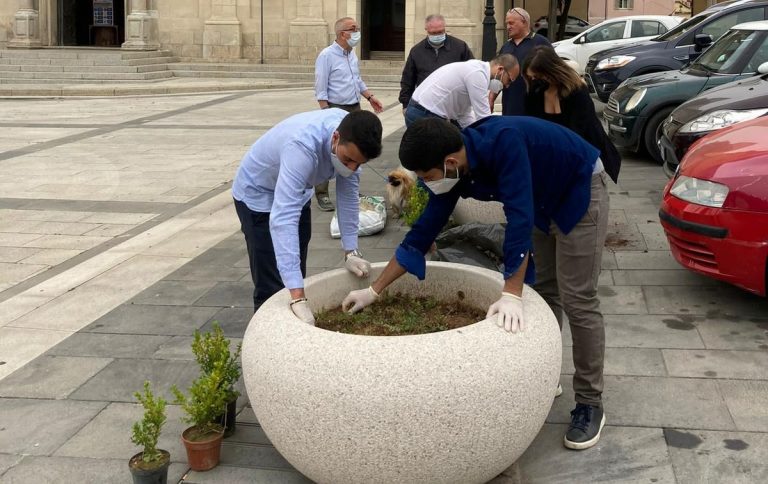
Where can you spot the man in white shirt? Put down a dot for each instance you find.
(458, 92)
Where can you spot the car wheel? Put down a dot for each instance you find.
(650, 135)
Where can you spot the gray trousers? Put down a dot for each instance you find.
(567, 269)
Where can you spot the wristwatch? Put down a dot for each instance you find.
(355, 253)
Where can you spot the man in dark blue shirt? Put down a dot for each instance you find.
(521, 42)
(553, 189)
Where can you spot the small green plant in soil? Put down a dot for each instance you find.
(207, 398)
(417, 202)
(402, 314)
(213, 347)
(146, 432)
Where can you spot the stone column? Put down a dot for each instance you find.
(141, 28)
(221, 35)
(308, 32)
(26, 26)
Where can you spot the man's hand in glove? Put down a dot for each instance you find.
(301, 309)
(509, 312)
(358, 300)
(357, 265)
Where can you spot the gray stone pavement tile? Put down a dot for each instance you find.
(51, 257)
(233, 321)
(248, 433)
(653, 259)
(622, 300)
(108, 435)
(11, 274)
(245, 475)
(7, 461)
(15, 254)
(53, 377)
(608, 261)
(246, 415)
(131, 374)
(17, 240)
(623, 454)
(721, 300)
(208, 272)
(659, 277)
(620, 238)
(748, 402)
(78, 470)
(324, 258)
(623, 361)
(729, 364)
(228, 294)
(39, 427)
(175, 348)
(726, 334)
(82, 242)
(109, 345)
(650, 331)
(635, 401)
(157, 320)
(252, 455)
(728, 457)
(173, 293)
(656, 241)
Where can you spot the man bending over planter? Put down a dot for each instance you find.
(274, 185)
(553, 188)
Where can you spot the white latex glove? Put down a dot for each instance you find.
(358, 266)
(509, 311)
(358, 300)
(301, 309)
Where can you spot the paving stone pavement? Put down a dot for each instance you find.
(118, 240)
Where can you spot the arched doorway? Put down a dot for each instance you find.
(98, 23)
(383, 25)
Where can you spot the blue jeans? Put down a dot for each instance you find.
(415, 111)
(261, 254)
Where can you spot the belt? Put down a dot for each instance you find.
(424, 110)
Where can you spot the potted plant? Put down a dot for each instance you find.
(150, 466)
(207, 397)
(209, 349)
(452, 406)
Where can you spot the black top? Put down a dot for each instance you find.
(578, 115)
(513, 99)
(424, 59)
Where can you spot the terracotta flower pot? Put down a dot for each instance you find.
(154, 473)
(202, 453)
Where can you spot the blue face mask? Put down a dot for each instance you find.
(436, 39)
(354, 39)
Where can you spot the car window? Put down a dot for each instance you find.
(612, 31)
(760, 56)
(645, 28)
(684, 27)
(726, 51)
(718, 27)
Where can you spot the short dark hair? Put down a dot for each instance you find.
(362, 128)
(427, 142)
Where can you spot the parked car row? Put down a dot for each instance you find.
(695, 98)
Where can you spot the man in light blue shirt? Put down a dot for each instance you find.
(338, 83)
(273, 187)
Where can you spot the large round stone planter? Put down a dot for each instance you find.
(458, 406)
(469, 210)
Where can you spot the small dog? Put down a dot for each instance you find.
(400, 182)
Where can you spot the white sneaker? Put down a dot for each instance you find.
(559, 390)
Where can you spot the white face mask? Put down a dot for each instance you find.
(436, 39)
(443, 185)
(354, 39)
(495, 85)
(340, 167)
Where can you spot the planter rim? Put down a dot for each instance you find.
(213, 436)
(165, 461)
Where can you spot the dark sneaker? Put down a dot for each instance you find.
(325, 203)
(586, 423)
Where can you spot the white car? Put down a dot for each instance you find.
(613, 33)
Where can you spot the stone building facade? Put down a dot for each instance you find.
(268, 31)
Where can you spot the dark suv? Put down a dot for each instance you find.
(671, 50)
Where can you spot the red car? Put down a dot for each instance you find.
(715, 209)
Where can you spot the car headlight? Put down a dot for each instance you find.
(614, 62)
(635, 100)
(720, 119)
(701, 192)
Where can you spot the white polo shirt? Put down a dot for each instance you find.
(457, 91)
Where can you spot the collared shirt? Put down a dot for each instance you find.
(424, 59)
(277, 175)
(457, 91)
(539, 171)
(337, 76)
(513, 96)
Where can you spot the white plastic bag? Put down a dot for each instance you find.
(373, 217)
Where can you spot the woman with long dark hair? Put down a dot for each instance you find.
(558, 94)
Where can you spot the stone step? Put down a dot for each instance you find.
(105, 69)
(281, 68)
(307, 76)
(66, 53)
(65, 82)
(65, 77)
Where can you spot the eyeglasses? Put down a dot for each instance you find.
(353, 29)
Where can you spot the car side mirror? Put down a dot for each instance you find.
(701, 41)
(762, 68)
(581, 40)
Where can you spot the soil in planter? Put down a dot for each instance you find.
(402, 314)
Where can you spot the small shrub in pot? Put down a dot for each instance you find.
(150, 466)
